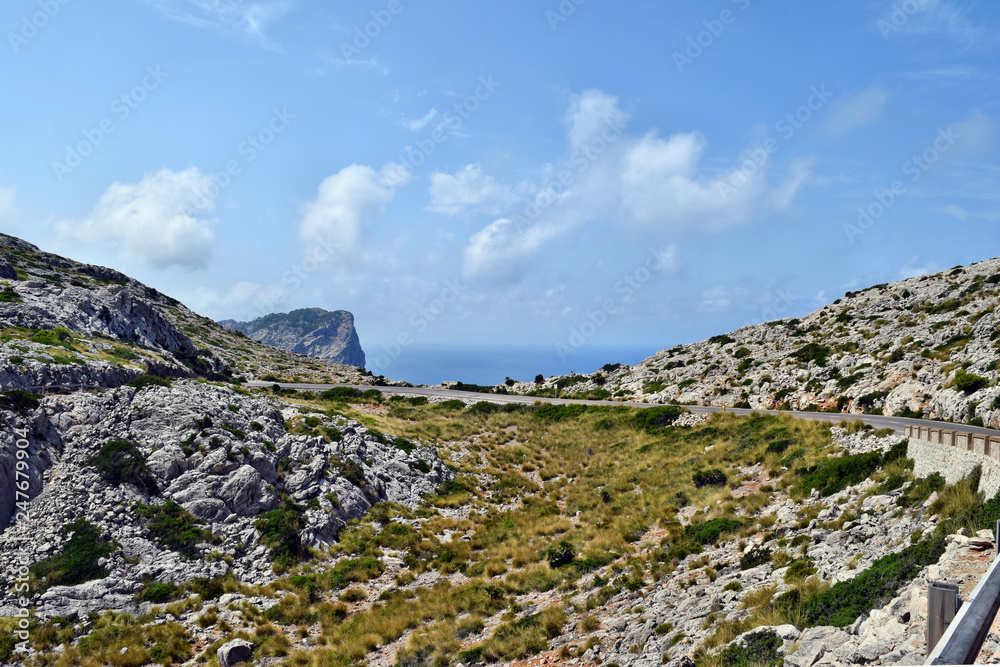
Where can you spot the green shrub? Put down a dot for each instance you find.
(451, 405)
(722, 340)
(713, 477)
(654, 420)
(403, 444)
(19, 401)
(710, 531)
(835, 475)
(356, 570)
(173, 527)
(279, 530)
(78, 562)
(733, 585)
(969, 383)
(560, 554)
(120, 462)
(812, 352)
(8, 295)
(799, 570)
(755, 557)
(351, 471)
(157, 592)
(144, 381)
(59, 337)
(759, 649)
(846, 600)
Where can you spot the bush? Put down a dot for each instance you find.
(835, 475)
(279, 530)
(969, 383)
(350, 470)
(560, 554)
(654, 420)
(120, 462)
(754, 558)
(173, 527)
(799, 570)
(352, 571)
(713, 477)
(757, 649)
(845, 601)
(144, 381)
(710, 531)
(157, 592)
(812, 352)
(77, 563)
(19, 401)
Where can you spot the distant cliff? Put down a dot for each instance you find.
(314, 332)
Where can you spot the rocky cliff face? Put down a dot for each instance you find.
(68, 323)
(314, 332)
(927, 345)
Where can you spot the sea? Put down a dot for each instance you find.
(490, 365)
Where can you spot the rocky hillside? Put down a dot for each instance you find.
(313, 332)
(66, 323)
(925, 346)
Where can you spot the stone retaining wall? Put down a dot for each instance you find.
(954, 454)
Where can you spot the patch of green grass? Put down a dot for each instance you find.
(173, 527)
(144, 381)
(846, 600)
(279, 530)
(77, 563)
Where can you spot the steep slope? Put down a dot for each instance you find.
(314, 332)
(112, 328)
(925, 346)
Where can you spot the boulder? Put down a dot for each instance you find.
(234, 653)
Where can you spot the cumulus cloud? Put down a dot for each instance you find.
(589, 114)
(659, 185)
(857, 110)
(246, 20)
(469, 189)
(348, 203)
(157, 221)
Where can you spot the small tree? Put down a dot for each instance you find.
(539, 379)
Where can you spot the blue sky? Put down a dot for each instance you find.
(574, 174)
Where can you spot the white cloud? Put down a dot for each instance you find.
(858, 109)
(247, 20)
(715, 300)
(420, 123)
(661, 184)
(468, 189)
(914, 268)
(154, 222)
(348, 203)
(658, 185)
(799, 173)
(955, 212)
(589, 114)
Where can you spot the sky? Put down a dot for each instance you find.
(563, 174)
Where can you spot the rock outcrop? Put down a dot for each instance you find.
(927, 345)
(314, 332)
(225, 457)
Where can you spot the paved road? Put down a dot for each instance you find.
(878, 421)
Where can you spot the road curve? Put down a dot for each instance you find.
(877, 421)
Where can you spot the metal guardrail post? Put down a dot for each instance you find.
(942, 600)
(962, 640)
